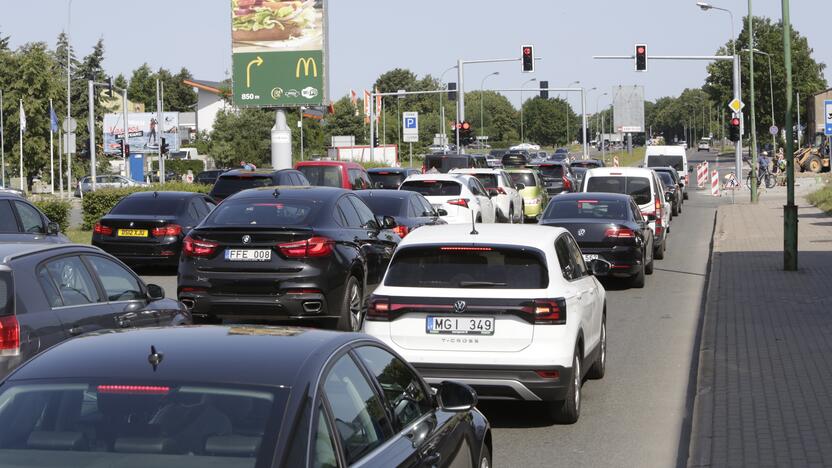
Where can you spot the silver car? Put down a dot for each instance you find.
(105, 181)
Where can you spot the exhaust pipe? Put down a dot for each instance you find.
(312, 307)
(188, 303)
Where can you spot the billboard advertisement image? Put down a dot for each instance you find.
(279, 53)
(145, 133)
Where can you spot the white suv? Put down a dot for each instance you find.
(512, 311)
(507, 199)
(458, 195)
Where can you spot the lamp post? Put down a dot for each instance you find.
(300, 125)
(522, 132)
(790, 210)
(482, 114)
(601, 137)
(771, 92)
(68, 103)
(567, 111)
(442, 109)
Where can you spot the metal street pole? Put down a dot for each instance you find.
(91, 129)
(300, 125)
(790, 210)
(442, 108)
(522, 123)
(583, 124)
(482, 107)
(754, 195)
(2, 144)
(125, 140)
(600, 120)
(68, 92)
(22, 189)
(460, 102)
(51, 152)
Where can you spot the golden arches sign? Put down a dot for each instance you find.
(306, 62)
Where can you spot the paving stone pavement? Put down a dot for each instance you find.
(764, 385)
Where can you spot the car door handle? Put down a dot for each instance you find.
(75, 331)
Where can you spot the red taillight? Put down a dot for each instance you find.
(463, 202)
(548, 374)
(658, 205)
(549, 311)
(312, 247)
(9, 336)
(134, 389)
(167, 231)
(401, 230)
(475, 249)
(566, 184)
(620, 233)
(303, 291)
(198, 248)
(102, 229)
(378, 309)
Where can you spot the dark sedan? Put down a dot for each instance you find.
(21, 221)
(390, 177)
(310, 254)
(609, 227)
(587, 163)
(236, 180)
(410, 209)
(209, 177)
(672, 192)
(670, 177)
(240, 396)
(148, 227)
(557, 177)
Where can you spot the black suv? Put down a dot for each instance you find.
(445, 162)
(21, 221)
(233, 181)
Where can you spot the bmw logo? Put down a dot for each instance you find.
(581, 232)
(246, 239)
(460, 306)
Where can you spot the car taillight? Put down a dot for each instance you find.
(620, 233)
(378, 309)
(566, 184)
(401, 230)
(167, 231)
(549, 311)
(198, 248)
(102, 229)
(658, 205)
(134, 389)
(9, 336)
(312, 247)
(463, 202)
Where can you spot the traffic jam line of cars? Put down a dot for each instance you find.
(439, 301)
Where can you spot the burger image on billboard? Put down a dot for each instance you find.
(270, 20)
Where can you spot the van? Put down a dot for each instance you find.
(339, 174)
(672, 156)
(445, 162)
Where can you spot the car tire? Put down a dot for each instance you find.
(352, 306)
(659, 252)
(599, 367)
(680, 205)
(648, 267)
(485, 457)
(674, 211)
(569, 410)
(638, 280)
(685, 196)
(511, 215)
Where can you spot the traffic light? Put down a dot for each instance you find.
(163, 148)
(466, 133)
(641, 57)
(544, 93)
(375, 139)
(528, 58)
(127, 151)
(452, 91)
(734, 129)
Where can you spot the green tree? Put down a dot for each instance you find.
(345, 121)
(545, 120)
(242, 135)
(142, 87)
(500, 118)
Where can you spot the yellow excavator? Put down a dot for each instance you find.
(813, 158)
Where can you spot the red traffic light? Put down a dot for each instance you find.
(466, 125)
(527, 50)
(640, 50)
(735, 122)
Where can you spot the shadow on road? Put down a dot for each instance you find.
(515, 414)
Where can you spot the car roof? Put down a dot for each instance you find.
(397, 170)
(592, 195)
(348, 164)
(667, 150)
(247, 354)
(475, 170)
(519, 169)
(451, 177)
(385, 193)
(619, 171)
(256, 172)
(12, 250)
(165, 195)
(291, 191)
(527, 235)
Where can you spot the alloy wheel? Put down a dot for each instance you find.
(355, 308)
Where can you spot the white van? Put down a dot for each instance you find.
(670, 156)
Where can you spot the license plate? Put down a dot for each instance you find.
(248, 255)
(132, 233)
(590, 257)
(459, 325)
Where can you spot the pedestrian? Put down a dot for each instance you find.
(152, 135)
(246, 166)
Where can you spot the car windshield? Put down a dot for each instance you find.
(386, 206)
(388, 180)
(636, 187)
(525, 178)
(228, 185)
(468, 267)
(662, 160)
(265, 212)
(322, 176)
(488, 180)
(666, 178)
(146, 206)
(433, 188)
(586, 208)
(552, 171)
(585, 164)
(90, 423)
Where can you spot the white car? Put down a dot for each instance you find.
(462, 197)
(512, 311)
(670, 156)
(508, 200)
(704, 145)
(645, 187)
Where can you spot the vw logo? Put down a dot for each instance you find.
(460, 306)
(581, 232)
(246, 239)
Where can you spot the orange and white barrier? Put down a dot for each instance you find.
(701, 174)
(715, 183)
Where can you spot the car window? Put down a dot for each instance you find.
(324, 443)
(360, 421)
(8, 223)
(433, 188)
(525, 178)
(349, 215)
(356, 179)
(416, 209)
(365, 215)
(30, 218)
(636, 212)
(193, 211)
(155, 206)
(586, 208)
(426, 206)
(577, 259)
(326, 176)
(564, 258)
(119, 284)
(50, 291)
(249, 211)
(405, 395)
(637, 187)
(75, 285)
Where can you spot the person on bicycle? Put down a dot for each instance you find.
(762, 162)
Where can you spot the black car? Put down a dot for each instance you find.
(170, 176)
(21, 221)
(236, 396)
(677, 181)
(515, 159)
(310, 254)
(672, 192)
(390, 177)
(579, 172)
(49, 293)
(148, 227)
(557, 177)
(233, 181)
(445, 162)
(587, 163)
(607, 226)
(209, 177)
(410, 209)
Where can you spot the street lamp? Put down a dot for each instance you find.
(522, 134)
(300, 125)
(68, 104)
(771, 93)
(599, 117)
(482, 114)
(442, 109)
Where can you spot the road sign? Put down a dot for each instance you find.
(773, 130)
(69, 126)
(410, 125)
(736, 105)
(279, 56)
(827, 106)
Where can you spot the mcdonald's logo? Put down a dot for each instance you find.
(306, 63)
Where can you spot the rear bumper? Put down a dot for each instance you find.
(625, 260)
(268, 308)
(503, 383)
(141, 252)
(533, 211)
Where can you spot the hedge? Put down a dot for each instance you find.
(57, 211)
(99, 203)
(180, 167)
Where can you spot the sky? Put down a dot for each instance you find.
(369, 37)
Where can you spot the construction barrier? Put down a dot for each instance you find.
(715, 183)
(701, 174)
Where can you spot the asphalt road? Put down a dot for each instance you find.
(639, 414)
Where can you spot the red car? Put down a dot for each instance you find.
(340, 174)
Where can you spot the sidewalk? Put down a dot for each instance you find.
(764, 385)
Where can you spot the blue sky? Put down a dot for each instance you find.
(368, 37)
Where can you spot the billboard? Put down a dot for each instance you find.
(144, 132)
(628, 109)
(279, 53)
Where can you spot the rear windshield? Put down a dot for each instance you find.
(433, 188)
(636, 187)
(228, 185)
(137, 424)
(666, 178)
(388, 180)
(586, 164)
(661, 160)
(515, 160)
(6, 293)
(464, 267)
(525, 178)
(322, 176)
(553, 171)
(386, 206)
(488, 180)
(148, 206)
(586, 208)
(444, 164)
(262, 213)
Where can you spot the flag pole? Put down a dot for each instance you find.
(51, 151)
(60, 163)
(22, 126)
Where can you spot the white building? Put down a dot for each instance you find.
(209, 102)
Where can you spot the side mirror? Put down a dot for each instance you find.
(388, 222)
(520, 186)
(668, 197)
(600, 267)
(373, 225)
(442, 212)
(52, 228)
(456, 397)
(492, 193)
(155, 292)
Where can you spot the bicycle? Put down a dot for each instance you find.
(763, 175)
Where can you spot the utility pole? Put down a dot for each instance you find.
(91, 129)
(754, 196)
(161, 134)
(790, 210)
(2, 145)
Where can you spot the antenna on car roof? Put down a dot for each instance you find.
(154, 358)
(276, 193)
(155, 194)
(473, 225)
